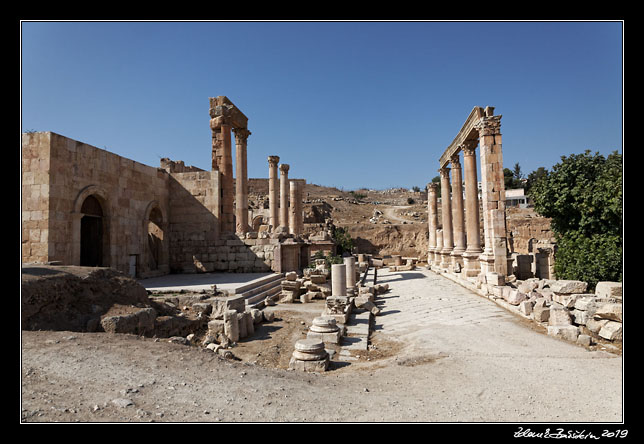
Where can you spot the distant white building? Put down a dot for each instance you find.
(516, 198)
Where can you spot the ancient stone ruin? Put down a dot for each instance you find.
(484, 263)
(82, 205)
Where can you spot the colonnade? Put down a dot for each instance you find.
(455, 244)
(233, 207)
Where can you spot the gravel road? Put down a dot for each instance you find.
(441, 354)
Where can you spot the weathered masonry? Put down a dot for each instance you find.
(82, 205)
(455, 245)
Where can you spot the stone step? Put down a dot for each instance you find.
(259, 298)
(259, 285)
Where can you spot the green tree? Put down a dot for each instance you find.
(535, 176)
(343, 240)
(583, 197)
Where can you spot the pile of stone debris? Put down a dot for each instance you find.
(567, 310)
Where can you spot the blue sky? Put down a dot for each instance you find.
(346, 104)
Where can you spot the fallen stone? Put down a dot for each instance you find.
(540, 310)
(611, 331)
(269, 316)
(291, 276)
(559, 315)
(568, 286)
(595, 325)
(610, 311)
(515, 297)
(257, 316)
(607, 289)
(525, 307)
(584, 340)
(122, 402)
(221, 304)
(566, 332)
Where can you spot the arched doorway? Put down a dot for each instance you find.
(91, 239)
(155, 239)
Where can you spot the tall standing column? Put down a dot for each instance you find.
(292, 217)
(284, 190)
(432, 217)
(472, 216)
(446, 210)
(222, 161)
(241, 180)
(495, 256)
(458, 217)
(272, 192)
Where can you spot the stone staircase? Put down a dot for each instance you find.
(257, 291)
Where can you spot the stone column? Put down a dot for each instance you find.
(299, 218)
(293, 209)
(446, 211)
(494, 262)
(458, 217)
(241, 180)
(284, 190)
(472, 216)
(223, 162)
(272, 192)
(439, 247)
(350, 267)
(432, 210)
(338, 280)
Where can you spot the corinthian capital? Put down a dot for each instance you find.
(241, 135)
(468, 147)
(488, 126)
(273, 160)
(444, 172)
(284, 168)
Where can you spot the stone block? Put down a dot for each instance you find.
(611, 331)
(231, 325)
(579, 317)
(559, 315)
(291, 276)
(221, 304)
(595, 325)
(256, 315)
(605, 289)
(216, 327)
(330, 337)
(540, 311)
(309, 366)
(288, 296)
(525, 307)
(567, 300)
(305, 298)
(568, 286)
(494, 279)
(583, 301)
(566, 332)
(584, 340)
(515, 297)
(608, 310)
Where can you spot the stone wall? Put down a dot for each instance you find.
(127, 191)
(194, 226)
(35, 193)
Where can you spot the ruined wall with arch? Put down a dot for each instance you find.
(54, 191)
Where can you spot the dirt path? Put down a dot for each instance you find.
(390, 213)
(441, 354)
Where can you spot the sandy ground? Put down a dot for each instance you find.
(440, 353)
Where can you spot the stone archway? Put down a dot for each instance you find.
(91, 233)
(91, 228)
